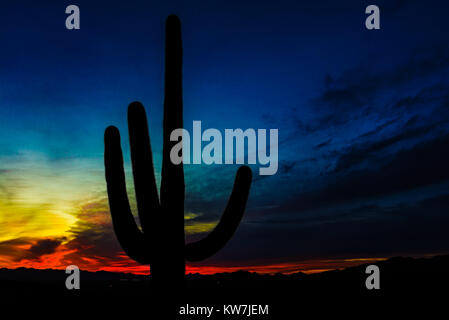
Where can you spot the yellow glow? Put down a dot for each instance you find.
(41, 199)
(192, 227)
(364, 259)
(190, 216)
(199, 227)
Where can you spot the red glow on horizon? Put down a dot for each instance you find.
(129, 266)
(119, 262)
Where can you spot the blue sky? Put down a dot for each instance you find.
(362, 118)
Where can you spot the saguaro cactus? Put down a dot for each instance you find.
(160, 242)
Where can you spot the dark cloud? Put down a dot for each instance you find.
(436, 95)
(428, 114)
(367, 230)
(421, 165)
(323, 144)
(93, 240)
(11, 248)
(322, 122)
(379, 128)
(41, 247)
(359, 153)
(356, 87)
(14, 248)
(356, 92)
(285, 167)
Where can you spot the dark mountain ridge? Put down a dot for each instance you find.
(394, 272)
(402, 282)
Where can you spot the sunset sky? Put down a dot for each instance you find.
(363, 120)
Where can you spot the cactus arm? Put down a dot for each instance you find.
(229, 222)
(128, 234)
(143, 170)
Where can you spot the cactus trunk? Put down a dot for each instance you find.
(160, 241)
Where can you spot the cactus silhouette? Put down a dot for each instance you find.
(160, 242)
